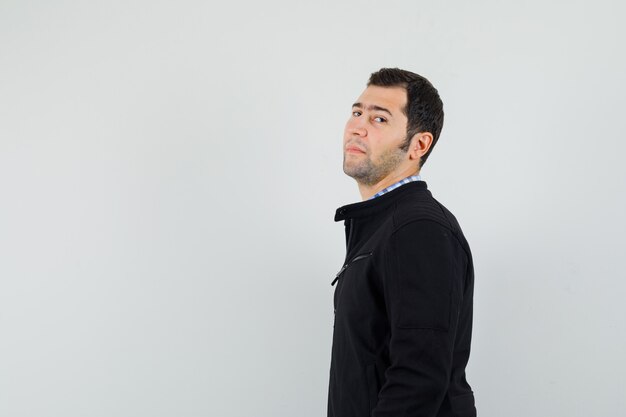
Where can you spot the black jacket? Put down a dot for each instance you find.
(403, 310)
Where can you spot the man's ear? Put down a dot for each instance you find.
(420, 144)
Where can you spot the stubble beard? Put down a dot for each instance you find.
(368, 173)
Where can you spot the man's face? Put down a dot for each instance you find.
(373, 135)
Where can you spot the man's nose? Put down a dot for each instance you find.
(356, 126)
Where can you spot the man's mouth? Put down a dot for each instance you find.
(353, 150)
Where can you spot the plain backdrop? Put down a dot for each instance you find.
(169, 173)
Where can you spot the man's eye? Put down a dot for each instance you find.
(380, 119)
(356, 113)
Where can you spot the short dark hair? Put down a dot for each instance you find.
(424, 108)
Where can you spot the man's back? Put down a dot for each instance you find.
(403, 310)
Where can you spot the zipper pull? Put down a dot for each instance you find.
(343, 268)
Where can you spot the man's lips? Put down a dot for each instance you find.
(352, 149)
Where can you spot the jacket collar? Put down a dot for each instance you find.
(378, 204)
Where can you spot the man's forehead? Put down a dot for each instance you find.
(392, 98)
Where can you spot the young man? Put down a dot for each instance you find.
(403, 298)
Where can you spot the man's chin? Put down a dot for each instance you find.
(351, 174)
(358, 177)
(350, 171)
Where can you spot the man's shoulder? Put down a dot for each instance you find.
(423, 206)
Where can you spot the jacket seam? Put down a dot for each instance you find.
(448, 227)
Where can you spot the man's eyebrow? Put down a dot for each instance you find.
(372, 107)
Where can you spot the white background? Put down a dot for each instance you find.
(169, 173)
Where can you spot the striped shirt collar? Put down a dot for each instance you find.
(396, 185)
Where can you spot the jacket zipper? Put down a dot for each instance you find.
(343, 268)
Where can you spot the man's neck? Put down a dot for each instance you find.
(367, 191)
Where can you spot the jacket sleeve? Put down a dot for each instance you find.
(423, 276)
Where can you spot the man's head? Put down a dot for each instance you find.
(395, 123)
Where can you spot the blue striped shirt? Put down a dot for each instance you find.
(396, 185)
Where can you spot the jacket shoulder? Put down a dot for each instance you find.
(423, 206)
